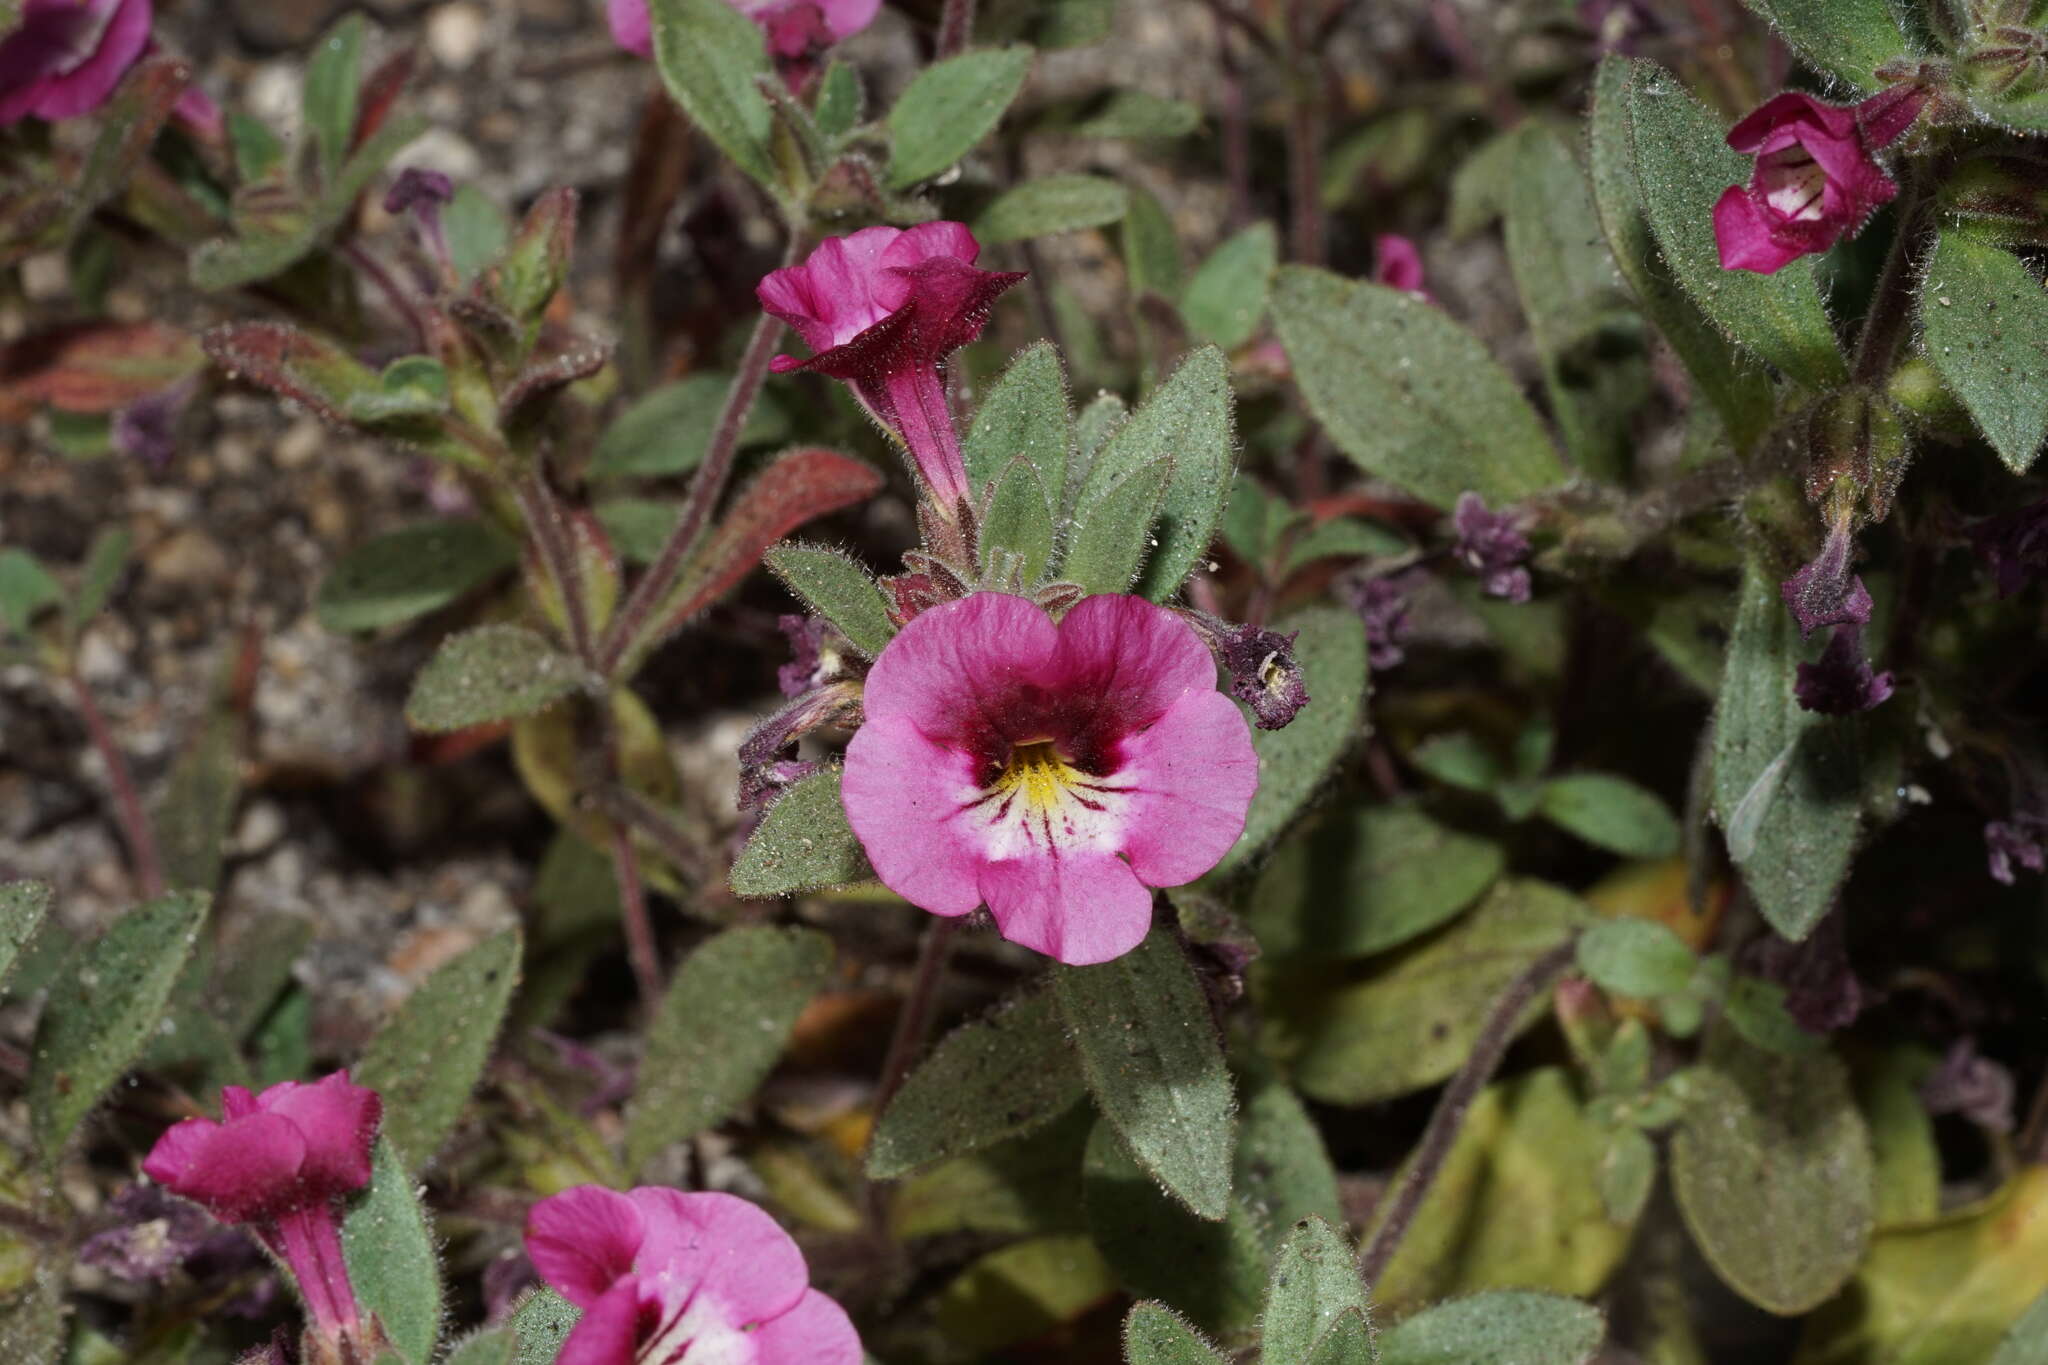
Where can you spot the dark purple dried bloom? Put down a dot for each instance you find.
(506, 1280)
(767, 767)
(1492, 545)
(420, 191)
(1822, 993)
(1974, 1086)
(1841, 682)
(2014, 546)
(2015, 841)
(147, 429)
(1264, 674)
(807, 666)
(1824, 592)
(154, 1237)
(1382, 603)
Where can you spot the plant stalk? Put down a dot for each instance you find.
(914, 1021)
(956, 28)
(640, 950)
(1891, 304)
(557, 549)
(128, 812)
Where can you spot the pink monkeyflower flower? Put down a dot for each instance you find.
(1397, 264)
(1055, 772)
(883, 308)
(798, 31)
(668, 1278)
(281, 1161)
(1817, 179)
(68, 55)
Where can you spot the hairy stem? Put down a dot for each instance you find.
(1891, 304)
(956, 27)
(1453, 1106)
(640, 950)
(128, 811)
(915, 1018)
(555, 544)
(629, 807)
(387, 285)
(1305, 142)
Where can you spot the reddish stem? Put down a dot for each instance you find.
(309, 1239)
(128, 811)
(640, 949)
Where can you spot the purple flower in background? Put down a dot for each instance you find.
(68, 55)
(147, 429)
(813, 658)
(1841, 682)
(1822, 993)
(1492, 545)
(798, 31)
(1972, 1085)
(1382, 603)
(1824, 592)
(2014, 546)
(1398, 265)
(2015, 841)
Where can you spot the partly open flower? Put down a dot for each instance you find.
(883, 308)
(1054, 772)
(1841, 682)
(68, 55)
(1816, 178)
(798, 31)
(282, 1161)
(668, 1278)
(1823, 592)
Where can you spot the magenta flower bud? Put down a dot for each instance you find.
(1054, 772)
(68, 55)
(798, 31)
(663, 1276)
(281, 1161)
(1397, 264)
(883, 308)
(1816, 178)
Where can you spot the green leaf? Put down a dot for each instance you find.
(1154, 1336)
(1985, 322)
(1107, 540)
(389, 1247)
(1025, 413)
(197, 809)
(1225, 300)
(721, 1028)
(840, 100)
(1628, 1168)
(1739, 389)
(1021, 1292)
(1408, 394)
(988, 1081)
(1787, 781)
(1188, 418)
(1682, 164)
(102, 1009)
(1460, 759)
(23, 907)
(1772, 1168)
(1367, 879)
(1755, 1008)
(1018, 1188)
(1293, 761)
(542, 1322)
(1138, 114)
(333, 77)
(476, 230)
(948, 108)
(1505, 1327)
(488, 674)
(1152, 261)
(1612, 813)
(428, 1057)
(2027, 1342)
(410, 572)
(1315, 1281)
(1636, 957)
(32, 1323)
(1902, 1143)
(1846, 38)
(839, 590)
(1052, 204)
(25, 590)
(1361, 1032)
(496, 1346)
(803, 843)
(1052, 23)
(668, 431)
(103, 565)
(710, 56)
(258, 151)
(1153, 1063)
(637, 527)
(410, 387)
(1017, 526)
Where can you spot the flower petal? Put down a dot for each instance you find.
(1193, 776)
(1131, 652)
(840, 290)
(731, 1249)
(950, 664)
(87, 86)
(339, 1121)
(1742, 231)
(903, 797)
(1078, 907)
(608, 1333)
(238, 1171)
(631, 27)
(815, 1332)
(583, 1241)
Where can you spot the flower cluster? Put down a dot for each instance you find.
(798, 31)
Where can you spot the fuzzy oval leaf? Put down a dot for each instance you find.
(837, 589)
(1365, 880)
(722, 1025)
(1293, 761)
(1314, 1282)
(543, 1321)
(1787, 781)
(1846, 38)
(389, 1247)
(1021, 1292)
(490, 673)
(26, 588)
(1772, 1169)
(1407, 393)
(948, 108)
(1139, 114)
(1348, 1342)
(1017, 529)
(1052, 204)
(1107, 540)
(428, 1056)
(23, 906)
(1154, 1336)
(102, 1009)
(1505, 1327)
(1155, 1067)
(710, 57)
(1025, 413)
(1612, 813)
(1985, 321)
(803, 843)
(1682, 164)
(1636, 957)
(989, 1080)
(495, 1346)
(410, 572)
(1225, 299)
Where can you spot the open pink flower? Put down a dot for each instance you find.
(883, 308)
(1056, 773)
(68, 55)
(282, 1160)
(1816, 178)
(668, 1278)
(798, 30)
